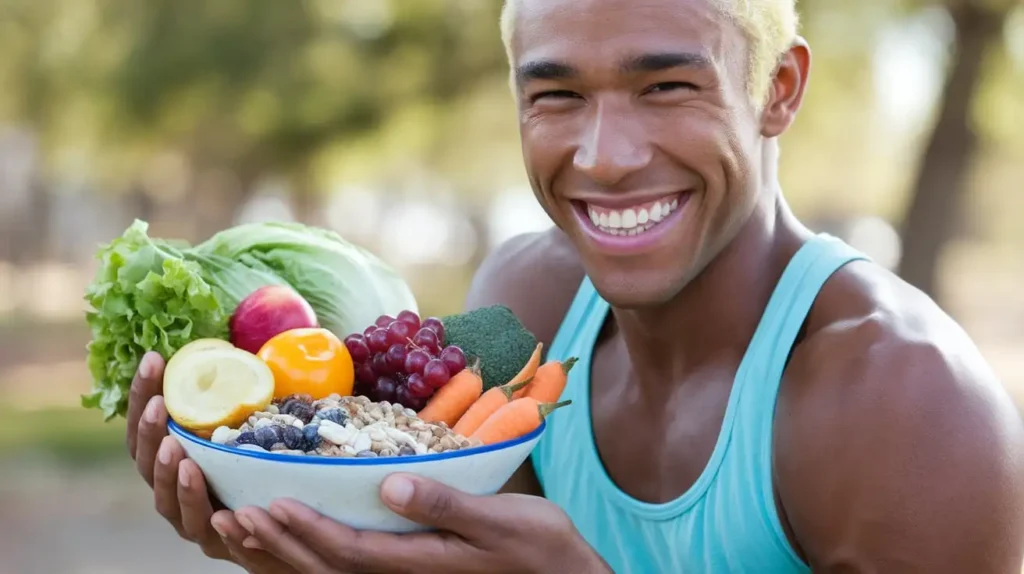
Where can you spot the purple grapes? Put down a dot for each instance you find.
(436, 374)
(435, 325)
(403, 359)
(454, 359)
(357, 348)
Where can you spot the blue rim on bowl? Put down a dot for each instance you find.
(352, 461)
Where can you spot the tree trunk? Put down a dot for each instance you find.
(932, 219)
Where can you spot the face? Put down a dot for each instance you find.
(638, 135)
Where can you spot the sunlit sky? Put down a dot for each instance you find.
(909, 61)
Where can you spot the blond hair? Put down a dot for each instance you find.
(770, 26)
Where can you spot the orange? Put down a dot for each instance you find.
(311, 361)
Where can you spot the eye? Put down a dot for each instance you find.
(664, 87)
(553, 95)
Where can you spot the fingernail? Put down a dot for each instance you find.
(398, 491)
(218, 527)
(164, 455)
(146, 367)
(278, 513)
(152, 411)
(183, 476)
(252, 543)
(246, 523)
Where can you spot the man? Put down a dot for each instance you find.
(750, 397)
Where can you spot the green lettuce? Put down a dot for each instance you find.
(321, 266)
(158, 295)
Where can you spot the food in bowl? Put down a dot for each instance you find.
(341, 427)
(347, 489)
(297, 396)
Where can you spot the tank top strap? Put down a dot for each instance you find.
(583, 320)
(761, 371)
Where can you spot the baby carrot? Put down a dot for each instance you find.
(485, 406)
(452, 400)
(528, 370)
(516, 419)
(550, 380)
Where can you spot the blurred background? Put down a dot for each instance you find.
(391, 122)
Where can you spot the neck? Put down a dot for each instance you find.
(714, 317)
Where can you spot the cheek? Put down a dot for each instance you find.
(707, 144)
(542, 149)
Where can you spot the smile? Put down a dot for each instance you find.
(632, 220)
(617, 227)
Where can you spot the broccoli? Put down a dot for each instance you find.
(494, 336)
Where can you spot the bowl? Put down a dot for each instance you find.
(347, 489)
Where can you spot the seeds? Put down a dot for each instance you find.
(341, 427)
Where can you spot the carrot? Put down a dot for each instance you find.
(485, 406)
(528, 370)
(452, 400)
(514, 420)
(550, 380)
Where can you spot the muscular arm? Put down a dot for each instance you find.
(536, 276)
(900, 456)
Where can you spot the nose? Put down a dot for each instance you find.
(612, 146)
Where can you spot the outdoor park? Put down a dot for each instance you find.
(391, 122)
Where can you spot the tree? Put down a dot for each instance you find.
(942, 178)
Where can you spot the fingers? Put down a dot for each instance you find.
(152, 430)
(251, 558)
(233, 536)
(228, 528)
(165, 482)
(146, 384)
(431, 503)
(273, 538)
(196, 510)
(351, 550)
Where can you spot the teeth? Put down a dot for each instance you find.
(632, 221)
(656, 212)
(629, 219)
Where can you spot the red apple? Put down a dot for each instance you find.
(266, 313)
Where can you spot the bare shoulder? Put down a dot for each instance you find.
(536, 275)
(897, 447)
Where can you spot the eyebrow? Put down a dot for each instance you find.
(660, 61)
(653, 62)
(544, 70)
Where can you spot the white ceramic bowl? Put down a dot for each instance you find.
(347, 489)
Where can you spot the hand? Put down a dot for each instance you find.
(503, 533)
(179, 489)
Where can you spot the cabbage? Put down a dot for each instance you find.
(158, 295)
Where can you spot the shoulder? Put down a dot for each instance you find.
(536, 275)
(895, 436)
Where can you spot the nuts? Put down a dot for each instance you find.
(341, 427)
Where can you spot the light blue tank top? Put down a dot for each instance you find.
(726, 522)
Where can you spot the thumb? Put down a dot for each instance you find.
(431, 503)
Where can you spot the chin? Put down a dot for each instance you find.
(637, 290)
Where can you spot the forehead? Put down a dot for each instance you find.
(593, 31)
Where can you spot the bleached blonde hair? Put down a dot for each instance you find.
(770, 27)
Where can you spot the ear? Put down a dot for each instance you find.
(786, 93)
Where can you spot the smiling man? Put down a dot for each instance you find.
(751, 397)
